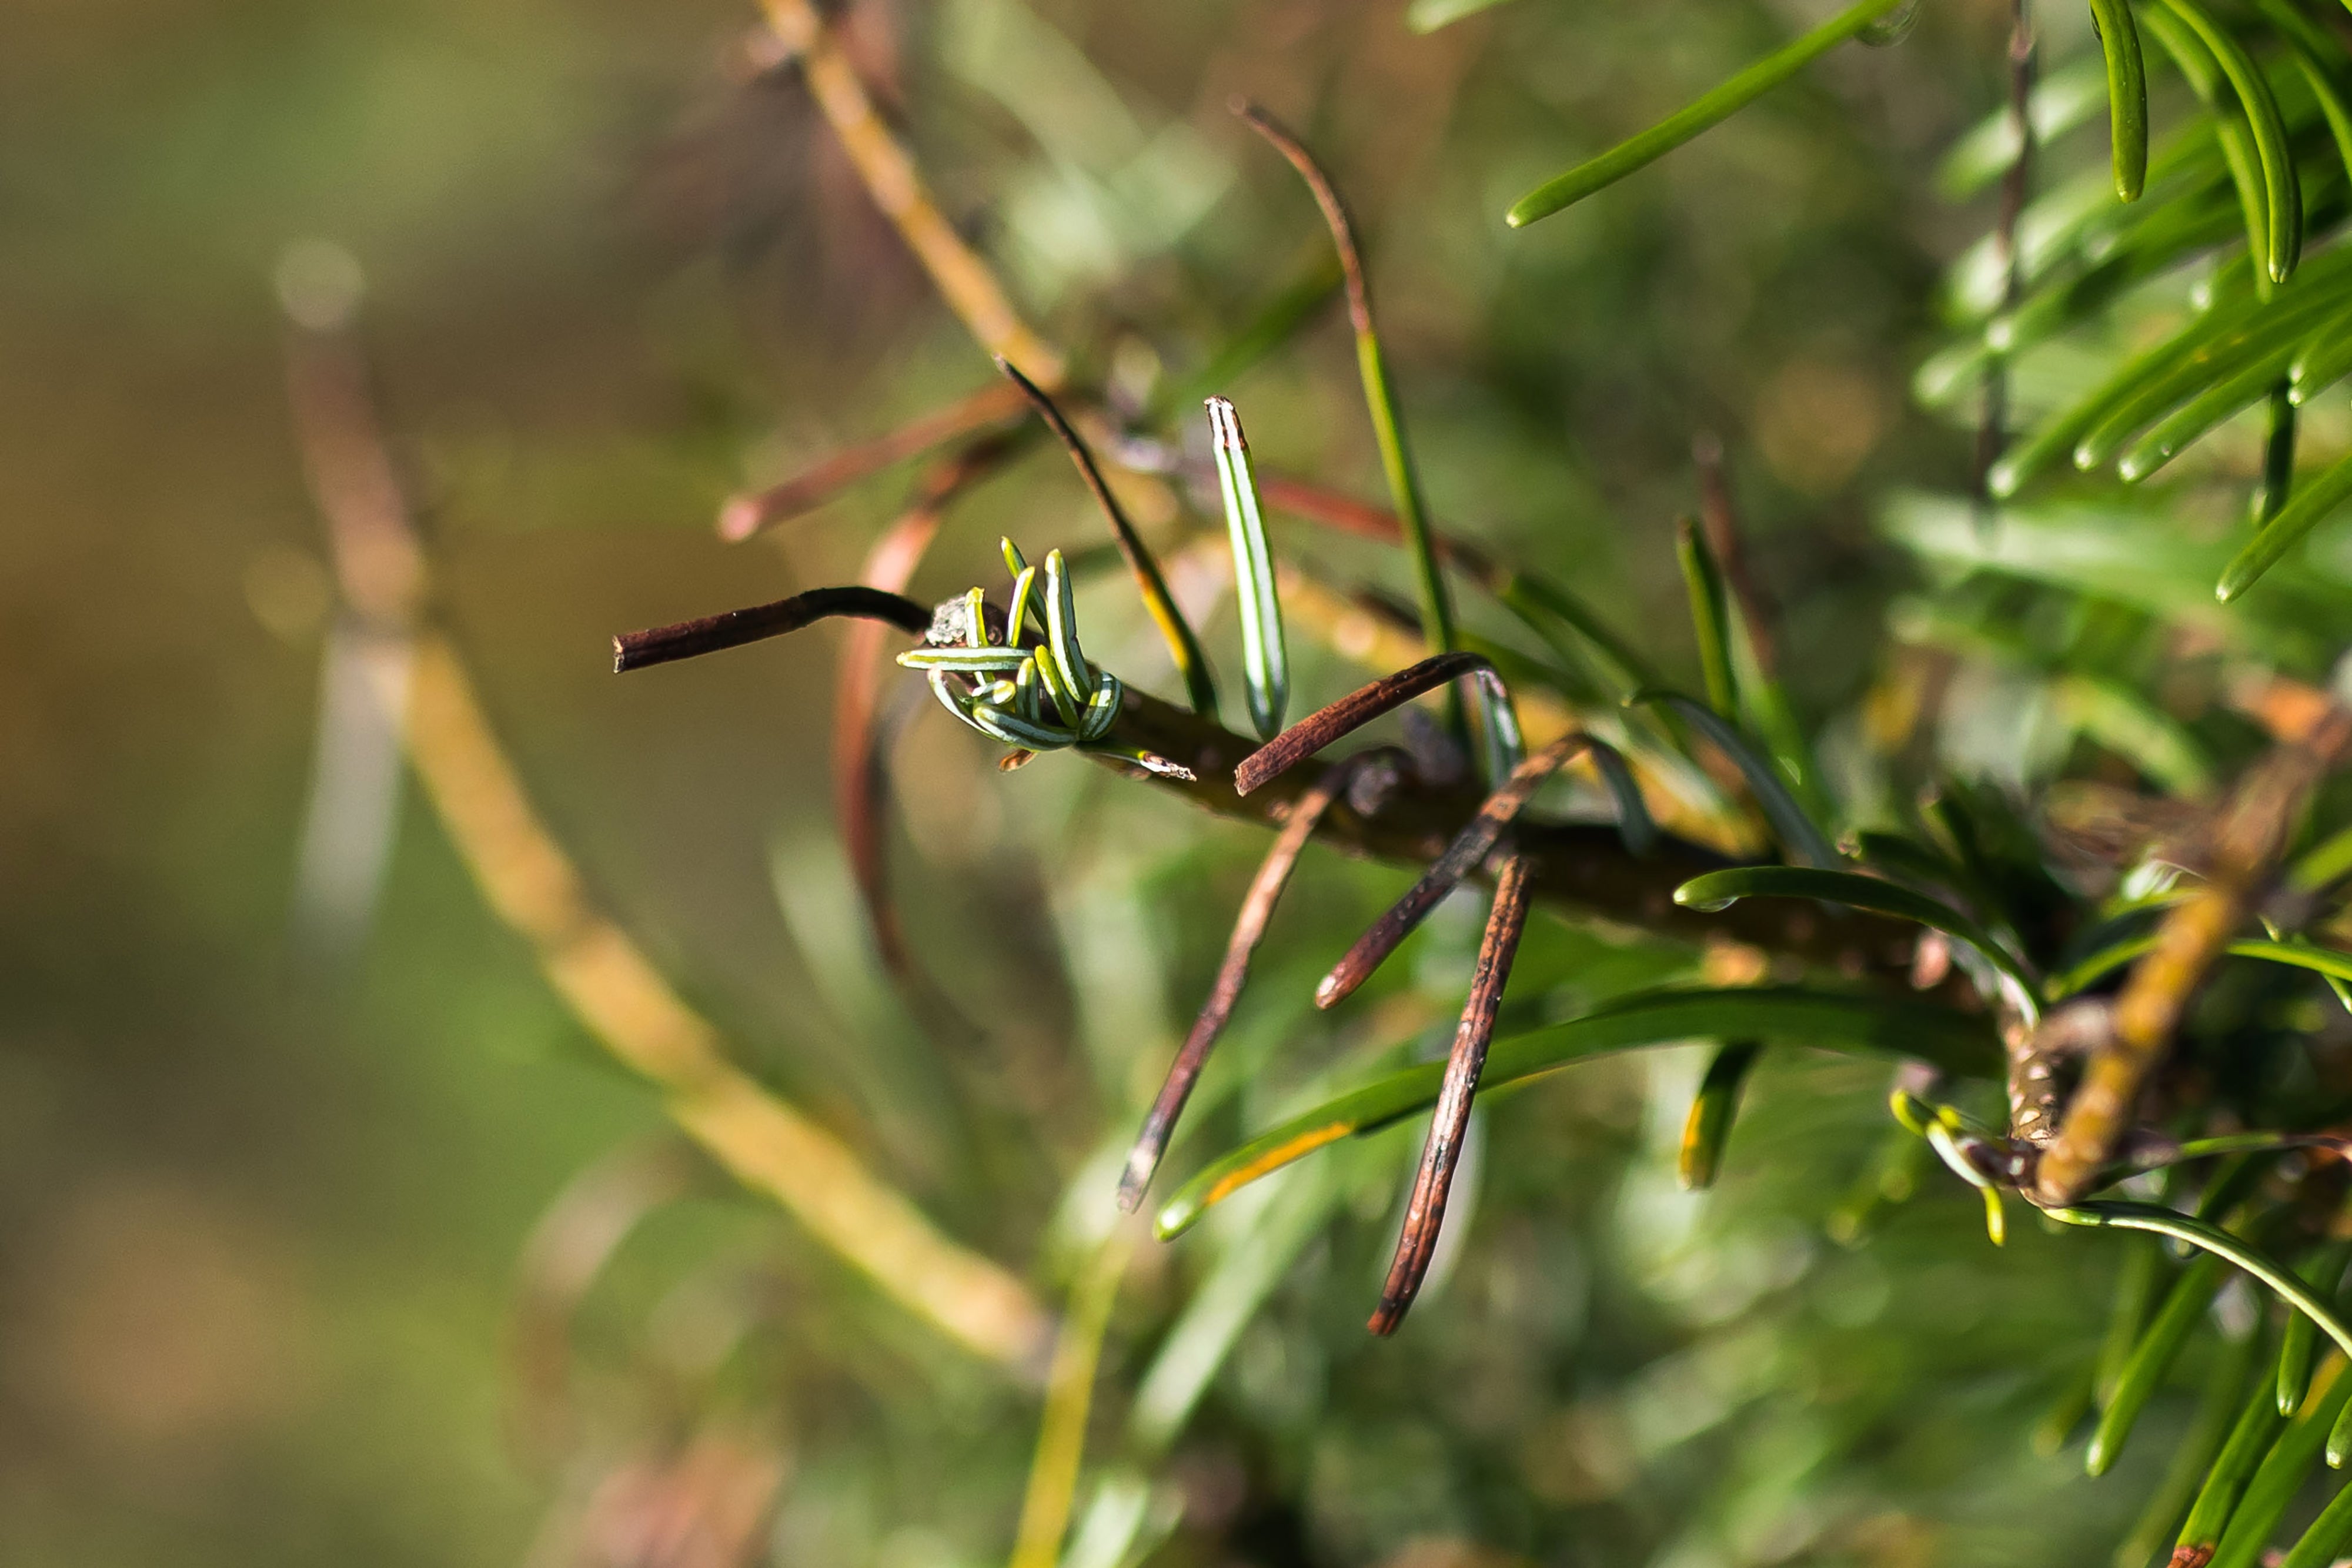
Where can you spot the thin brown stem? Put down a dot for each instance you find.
(747, 513)
(1182, 646)
(1424, 1212)
(1249, 928)
(734, 627)
(1350, 713)
(1469, 852)
(352, 816)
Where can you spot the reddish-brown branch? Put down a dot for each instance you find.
(747, 513)
(1249, 928)
(1425, 1213)
(1581, 868)
(1465, 854)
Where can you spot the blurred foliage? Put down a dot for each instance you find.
(271, 1290)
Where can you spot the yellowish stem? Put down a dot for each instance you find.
(889, 171)
(1069, 1396)
(622, 1000)
(609, 985)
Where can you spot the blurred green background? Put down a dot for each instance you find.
(263, 1197)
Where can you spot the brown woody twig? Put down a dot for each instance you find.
(1583, 867)
(2075, 1030)
(1578, 867)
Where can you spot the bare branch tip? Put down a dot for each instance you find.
(738, 518)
